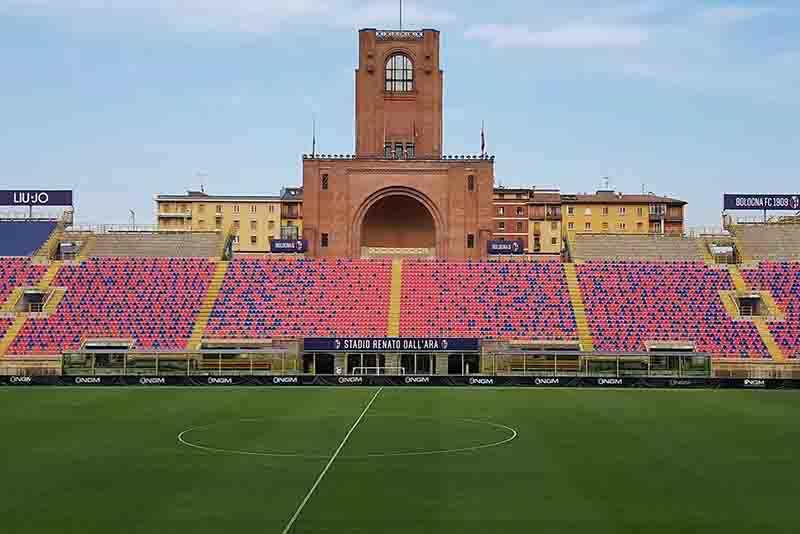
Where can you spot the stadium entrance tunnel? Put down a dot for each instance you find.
(398, 222)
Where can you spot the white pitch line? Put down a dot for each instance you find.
(329, 464)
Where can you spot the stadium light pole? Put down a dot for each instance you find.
(133, 219)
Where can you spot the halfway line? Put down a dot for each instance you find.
(329, 464)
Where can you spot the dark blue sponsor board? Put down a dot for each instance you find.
(38, 197)
(762, 202)
(390, 344)
(401, 381)
(298, 246)
(505, 247)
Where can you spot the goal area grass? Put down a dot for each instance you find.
(437, 460)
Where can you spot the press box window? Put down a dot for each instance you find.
(324, 240)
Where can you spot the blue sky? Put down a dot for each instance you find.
(123, 99)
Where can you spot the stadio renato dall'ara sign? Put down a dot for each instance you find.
(36, 197)
(762, 202)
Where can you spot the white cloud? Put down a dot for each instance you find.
(730, 14)
(566, 37)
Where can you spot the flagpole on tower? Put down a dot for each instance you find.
(313, 135)
(401, 15)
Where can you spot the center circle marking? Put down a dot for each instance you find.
(511, 435)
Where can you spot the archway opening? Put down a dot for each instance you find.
(398, 222)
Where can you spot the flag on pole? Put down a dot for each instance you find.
(483, 140)
(314, 136)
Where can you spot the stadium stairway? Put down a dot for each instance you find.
(204, 314)
(20, 319)
(393, 327)
(578, 307)
(761, 325)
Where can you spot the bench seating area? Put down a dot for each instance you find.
(150, 300)
(631, 303)
(486, 300)
(782, 279)
(266, 298)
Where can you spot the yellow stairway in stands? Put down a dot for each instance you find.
(19, 320)
(584, 334)
(761, 325)
(393, 327)
(204, 314)
(11, 333)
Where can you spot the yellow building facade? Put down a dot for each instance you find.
(609, 212)
(253, 220)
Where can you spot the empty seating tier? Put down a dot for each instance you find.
(586, 247)
(629, 304)
(24, 238)
(151, 301)
(157, 245)
(777, 242)
(18, 272)
(486, 300)
(266, 298)
(782, 279)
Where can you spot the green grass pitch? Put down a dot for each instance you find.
(109, 460)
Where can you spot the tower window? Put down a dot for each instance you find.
(324, 240)
(470, 240)
(399, 74)
(471, 183)
(324, 182)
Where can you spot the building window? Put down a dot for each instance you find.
(470, 240)
(236, 208)
(471, 183)
(588, 211)
(201, 223)
(219, 223)
(219, 209)
(387, 150)
(640, 212)
(324, 182)
(553, 226)
(501, 210)
(271, 225)
(410, 151)
(537, 228)
(501, 225)
(605, 210)
(201, 208)
(253, 226)
(253, 240)
(519, 227)
(639, 226)
(399, 74)
(571, 211)
(398, 151)
(236, 239)
(272, 208)
(605, 227)
(520, 211)
(553, 241)
(571, 226)
(622, 210)
(587, 227)
(236, 225)
(253, 208)
(324, 240)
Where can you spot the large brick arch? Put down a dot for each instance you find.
(439, 222)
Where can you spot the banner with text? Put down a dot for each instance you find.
(505, 247)
(35, 198)
(288, 245)
(392, 344)
(762, 202)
